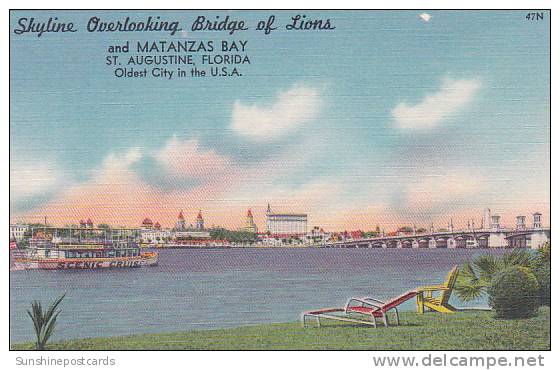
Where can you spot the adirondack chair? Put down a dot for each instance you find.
(436, 298)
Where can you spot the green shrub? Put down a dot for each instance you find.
(514, 293)
(543, 254)
(542, 273)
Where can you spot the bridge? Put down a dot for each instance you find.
(477, 238)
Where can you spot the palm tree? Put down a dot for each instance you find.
(44, 322)
(475, 277)
(543, 255)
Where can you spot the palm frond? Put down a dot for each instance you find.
(467, 273)
(469, 292)
(486, 266)
(470, 284)
(518, 257)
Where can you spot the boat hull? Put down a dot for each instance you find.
(145, 259)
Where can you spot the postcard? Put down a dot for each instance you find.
(279, 180)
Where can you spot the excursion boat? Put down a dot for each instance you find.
(86, 253)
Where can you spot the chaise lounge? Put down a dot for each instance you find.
(367, 308)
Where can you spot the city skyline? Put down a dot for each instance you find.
(430, 123)
(481, 221)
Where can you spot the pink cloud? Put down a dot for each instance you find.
(186, 158)
(117, 195)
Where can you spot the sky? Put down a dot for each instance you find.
(393, 118)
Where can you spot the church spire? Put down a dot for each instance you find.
(250, 223)
(199, 221)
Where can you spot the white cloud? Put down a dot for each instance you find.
(292, 109)
(187, 158)
(425, 17)
(31, 177)
(121, 162)
(452, 96)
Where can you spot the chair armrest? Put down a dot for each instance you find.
(362, 301)
(432, 288)
(373, 299)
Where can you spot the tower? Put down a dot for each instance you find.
(495, 222)
(520, 223)
(250, 225)
(268, 213)
(199, 221)
(180, 225)
(537, 220)
(486, 219)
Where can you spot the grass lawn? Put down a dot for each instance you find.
(469, 330)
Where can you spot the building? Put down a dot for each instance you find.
(191, 234)
(151, 233)
(317, 236)
(199, 221)
(281, 240)
(180, 224)
(355, 235)
(155, 236)
(17, 231)
(285, 223)
(250, 223)
(147, 223)
(86, 224)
